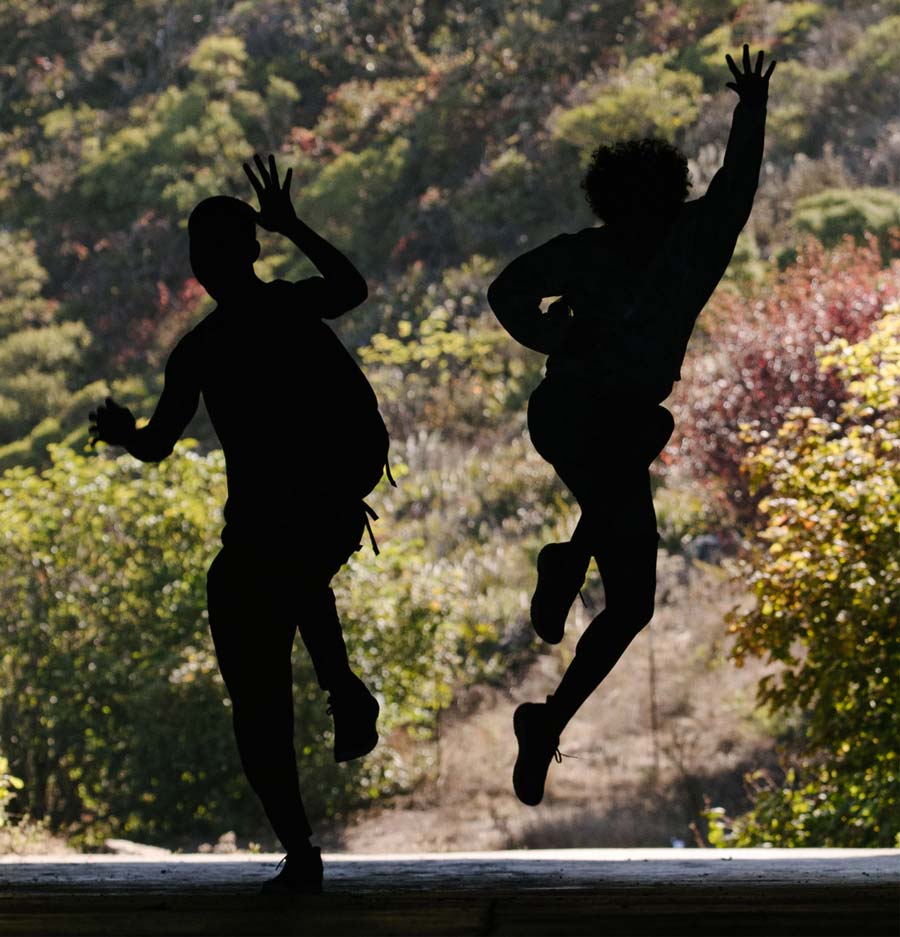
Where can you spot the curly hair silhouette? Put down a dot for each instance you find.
(636, 177)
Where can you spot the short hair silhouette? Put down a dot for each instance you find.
(649, 174)
(223, 245)
(224, 219)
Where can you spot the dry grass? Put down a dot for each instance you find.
(627, 785)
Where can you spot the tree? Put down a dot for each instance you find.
(38, 357)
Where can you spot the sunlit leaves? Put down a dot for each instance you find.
(825, 570)
(646, 99)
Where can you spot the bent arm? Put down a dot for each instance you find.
(729, 197)
(177, 405)
(341, 287)
(515, 296)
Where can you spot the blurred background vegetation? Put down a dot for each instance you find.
(433, 142)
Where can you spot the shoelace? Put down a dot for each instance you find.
(558, 756)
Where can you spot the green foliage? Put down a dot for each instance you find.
(796, 20)
(102, 597)
(683, 513)
(352, 200)
(22, 280)
(798, 121)
(37, 356)
(432, 142)
(705, 56)
(834, 213)
(874, 65)
(645, 99)
(824, 571)
(458, 368)
(9, 784)
(178, 147)
(110, 700)
(497, 202)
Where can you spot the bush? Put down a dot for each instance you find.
(9, 784)
(761, 357)
(112, 710)
(646, 99)
(824, 570)
(835, 213)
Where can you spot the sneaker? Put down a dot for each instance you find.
(301, 874)
(355, 713)
(538, 746)
(561, 571)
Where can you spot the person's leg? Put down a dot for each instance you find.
(253, 641)
(625, 548)
(554, 417)
(320, 629)
(628, 567)
(333, 539)
(618, 527)
(334, 531)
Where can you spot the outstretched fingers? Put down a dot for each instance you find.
(752, 72)
(733, 68)
(261, 169)
(257, 185)
(273, 172)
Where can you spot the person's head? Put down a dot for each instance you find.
(223, 245)
(634, 179)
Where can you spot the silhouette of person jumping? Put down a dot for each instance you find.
(629, 294)
(304, 443)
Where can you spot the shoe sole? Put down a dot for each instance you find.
(365, 746)
(517, 719)
(354, 753)
(549, 637)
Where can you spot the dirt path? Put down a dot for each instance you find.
(625, 785)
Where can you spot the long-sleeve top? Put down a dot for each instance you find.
(633, 312)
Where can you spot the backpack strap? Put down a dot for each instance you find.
(370, 513)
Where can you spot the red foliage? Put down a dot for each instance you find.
(762, 357)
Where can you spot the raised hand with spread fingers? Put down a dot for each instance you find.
(751, 84)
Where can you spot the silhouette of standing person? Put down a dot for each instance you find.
(304, 443)
(630, 292)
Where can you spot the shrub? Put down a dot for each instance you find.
(824, 570)
(112, 710)
(835, 213)
(761, 357)
(646, 99)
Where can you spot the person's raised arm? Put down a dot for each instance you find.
(515, 296)
(341, 287)
(731, 191)
(177, 404)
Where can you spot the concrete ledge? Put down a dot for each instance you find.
(577, 891)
